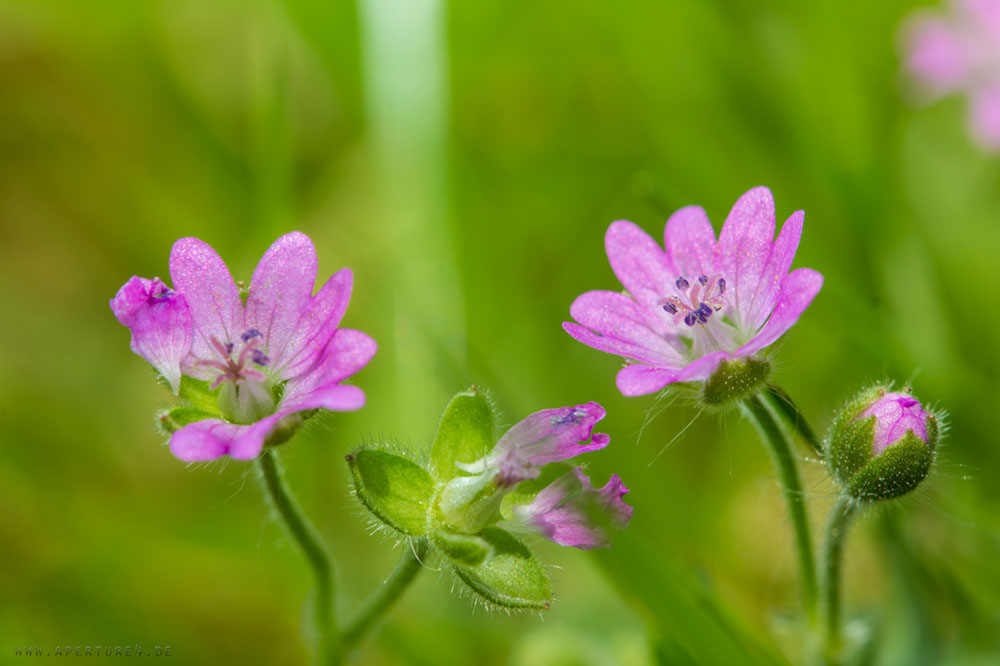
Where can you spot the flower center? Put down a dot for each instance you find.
(244, 397)
(696, 301)
(237, 369)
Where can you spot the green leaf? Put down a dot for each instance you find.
(396, 490)
(173, 420)
(512, 578)
(782, 405)
(465, 434)
(464, 549)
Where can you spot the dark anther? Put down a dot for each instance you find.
(722, 285)
(252, 333)
(682, 283)
(670, 307)
(690, 319)
(703, 279)
(260, 358)
(704, 310)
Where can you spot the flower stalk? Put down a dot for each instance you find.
(833, 554)
(791, 485)
(305, 536)
(409, 565)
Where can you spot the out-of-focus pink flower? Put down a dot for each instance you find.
(279, 354)
(696, 302)
(960, 51)
(571, 512)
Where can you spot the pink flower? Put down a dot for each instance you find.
(699, 301)
(470, 503)
(571, 512)
(960, 52)
(895, 415)
(279, 354)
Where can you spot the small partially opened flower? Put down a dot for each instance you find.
(571, 512)
(469, 503)
(279, 354)
(698, 303)
(544, 437)
(960, 51)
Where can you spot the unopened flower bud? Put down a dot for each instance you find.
(882, 444)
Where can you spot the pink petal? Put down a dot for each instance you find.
(214, 438)
(635, 380)
(547, 436)
(895, 415)
(571, 512)
(618, 316)
(347, 352)
(617, 347)
(280, 290)
(745, 247)
(335, 397)
(984, 113)
(216, 309)
(934, 54)
(203, 440)
(690, 242)
(777, 268)
(160, 322)
(638, 262)
(316, 325)
(797, 292)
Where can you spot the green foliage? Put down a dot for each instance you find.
(396, 490)
(464, 434)
(463, 549)
(899, 469)
(512, 578)
(173, 420)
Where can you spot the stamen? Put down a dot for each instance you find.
(682, 283)
(670, 307)
(703, 279)
(224, 349)
(251, 333)
(690, 319)
(704, 310)
(722, 286)
(259, 357)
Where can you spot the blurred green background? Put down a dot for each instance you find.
(465, 158)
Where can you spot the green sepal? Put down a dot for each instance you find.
(395, 489)
(526, 491)
(173, 420)
(897, 471)
(734, 380)
(196, 393)
(287, 426)
(463, 549)
(512, 578)
(850, 446)
(464, 434)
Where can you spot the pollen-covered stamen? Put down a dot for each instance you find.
(238, 369)
(696, 303)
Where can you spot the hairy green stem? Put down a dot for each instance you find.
(304, 534)
(409, 565)
(791, 485)
(833, 554)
